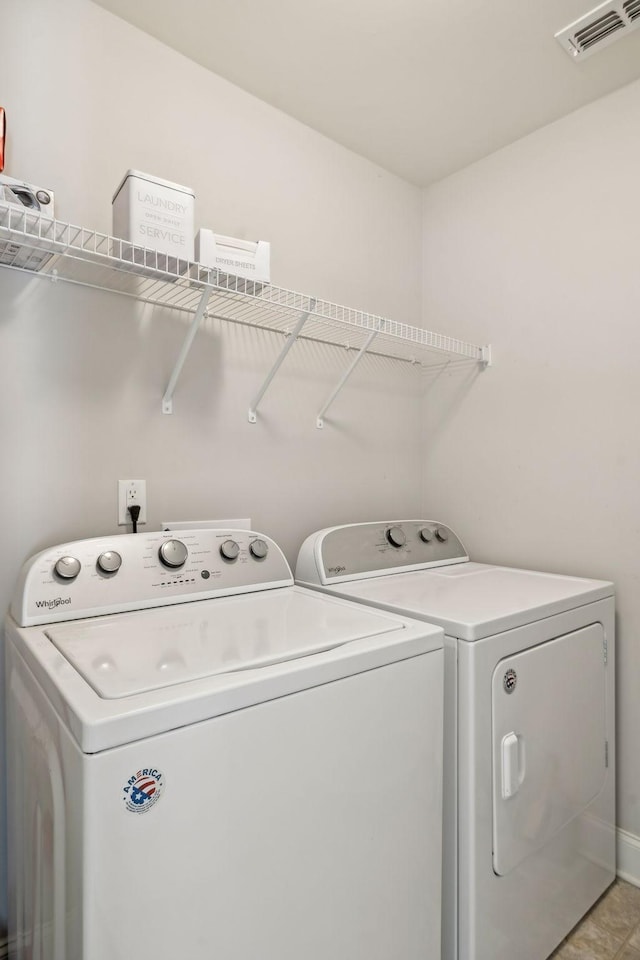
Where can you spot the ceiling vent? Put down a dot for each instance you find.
(600, 27)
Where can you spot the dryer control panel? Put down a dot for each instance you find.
(88, 578)
(359, 550)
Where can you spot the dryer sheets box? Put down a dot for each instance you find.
(241, 258)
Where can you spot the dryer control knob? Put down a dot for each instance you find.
(442, 534)
(67, 567)
(259, 549)
(396, 536)
(173, 553)
(426, 535)
(229, 550)
(109, 561)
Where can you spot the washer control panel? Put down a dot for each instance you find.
(90, 578)
(369, 549)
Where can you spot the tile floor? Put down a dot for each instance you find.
(611, 929)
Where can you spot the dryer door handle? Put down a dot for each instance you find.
(513, 764)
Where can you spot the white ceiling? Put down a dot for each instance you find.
(420, 87)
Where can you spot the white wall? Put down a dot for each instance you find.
(536, 461)
(88, 97)
(536, 249)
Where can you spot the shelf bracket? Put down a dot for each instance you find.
(291, 339)
(167, 400)
(485, 358)
(354, 363)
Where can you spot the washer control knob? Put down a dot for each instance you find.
(109, 561)
(426, 534)
(442, 534)
(173, 553)
(229, 550)
(259, 549)
(396, 536)
(67, 567)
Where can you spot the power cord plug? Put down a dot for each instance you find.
(134, 513)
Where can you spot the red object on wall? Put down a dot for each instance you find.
(3, 131)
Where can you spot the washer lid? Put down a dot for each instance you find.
(134, 653)
(476, 600)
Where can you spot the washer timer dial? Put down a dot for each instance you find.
(173, 553)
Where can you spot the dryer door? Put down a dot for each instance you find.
(549, 734)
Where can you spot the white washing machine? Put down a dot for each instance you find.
(529, 814)
(208, 761)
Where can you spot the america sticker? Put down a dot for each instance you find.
(143, 790)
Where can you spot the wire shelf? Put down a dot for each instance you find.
(51, 248)
(68, 252)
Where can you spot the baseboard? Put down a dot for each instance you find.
(628, 850)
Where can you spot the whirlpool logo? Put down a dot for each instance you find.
(52, 604)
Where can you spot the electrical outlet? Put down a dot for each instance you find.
(130, 493)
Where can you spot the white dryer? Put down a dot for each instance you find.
(208, 761)
(529, 814)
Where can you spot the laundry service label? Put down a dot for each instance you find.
(143, 789)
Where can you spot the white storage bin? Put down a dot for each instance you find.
(241, 258)
(157, 214)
